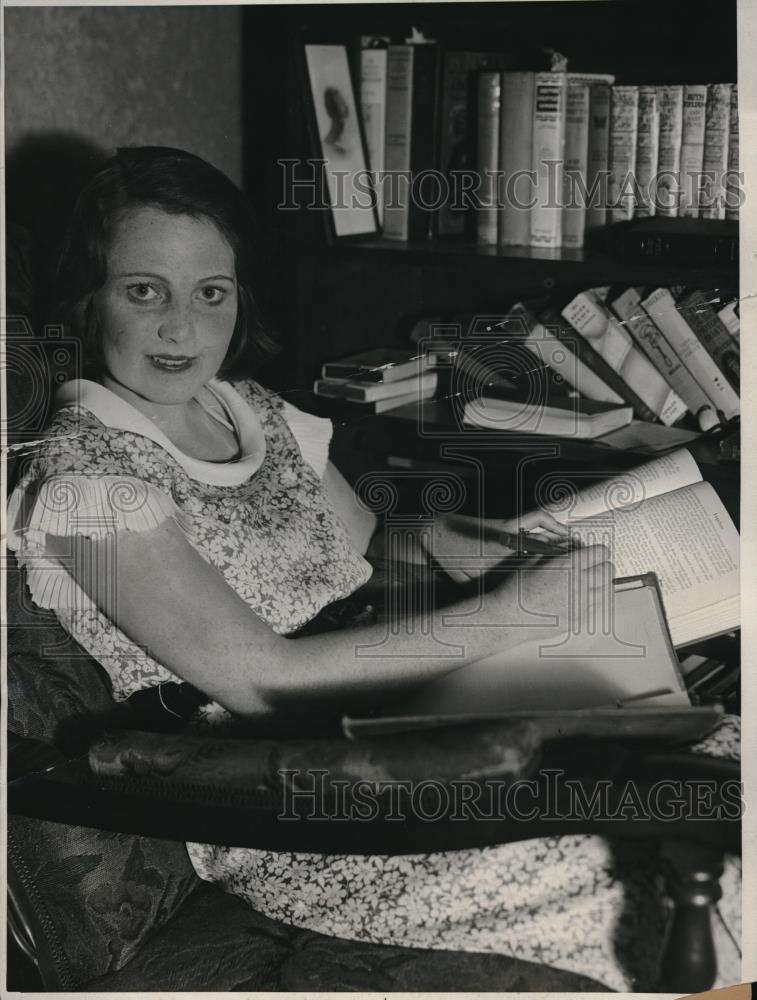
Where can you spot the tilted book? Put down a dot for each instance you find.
(692, 147)
(623, 133)
(661, 307)
(650, 339)
(699, 312)
(547, 158)
(729, 316)
(715, 156)
(647, 152)
(670, 107)
(515, 141)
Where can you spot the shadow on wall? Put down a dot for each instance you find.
(44, 174)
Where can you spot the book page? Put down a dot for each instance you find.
(630, 488)
(686, 537)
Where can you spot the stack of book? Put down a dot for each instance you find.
(378, 380)
(551, 152)
(657, 355)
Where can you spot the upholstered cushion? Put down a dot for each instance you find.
(216, 942)
(95, 896)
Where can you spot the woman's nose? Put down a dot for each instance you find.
(177, 324)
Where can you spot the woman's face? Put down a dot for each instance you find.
(168, 307)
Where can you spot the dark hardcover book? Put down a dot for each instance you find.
(583, 350)
(677, 241)
(457, 126)
(412, 140)
(699, 313)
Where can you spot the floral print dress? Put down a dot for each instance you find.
(574, 902)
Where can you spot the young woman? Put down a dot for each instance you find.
(183, 522)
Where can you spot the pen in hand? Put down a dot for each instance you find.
(526, 543)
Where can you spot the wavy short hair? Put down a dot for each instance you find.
(178, 183)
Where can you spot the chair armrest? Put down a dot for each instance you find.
(468, 787)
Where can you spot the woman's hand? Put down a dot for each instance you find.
(549, 529)
(570, 593)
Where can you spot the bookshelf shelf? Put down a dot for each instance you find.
(571, 265)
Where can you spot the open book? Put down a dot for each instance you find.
(661, 517)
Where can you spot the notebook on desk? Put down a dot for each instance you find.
(629, 663)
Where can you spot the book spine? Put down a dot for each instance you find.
(547, 152)
(542, 340)
(577, 109)
(661, 307)
(626, 370)
(388, 390)
(629, 308)
(670, 106)
(396, 186)
(516, 140)
(487, 157)
(598, 155)
(647, 151)
(715, 157)
(732, 184)
(719, 344)
(692, 147)
(624, 111)
(373, 105)
(457, 100)
(729, 317)
(425, 191)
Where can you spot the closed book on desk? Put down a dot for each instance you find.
(631, 662)
(380, 364)
(417, 386)
(504, 410)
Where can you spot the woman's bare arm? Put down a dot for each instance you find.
(171, 601)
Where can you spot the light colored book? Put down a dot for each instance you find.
(515, 142)
(373, 71)
(553, 353)
(729, 317)
(732, 184)
(590, 317)
(547, 158)
(715, 157)
(627, 307)
(661, 307)
(330, 390)
(692, 147)
(487, 157)
(623, 134)
(647, 152)
(578, 104)
(670, 107)
(568, 417)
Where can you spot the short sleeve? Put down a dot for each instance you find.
(78, 505)
(313, 435)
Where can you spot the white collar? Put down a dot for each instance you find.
(113, 411)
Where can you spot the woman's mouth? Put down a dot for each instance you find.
(171, 362)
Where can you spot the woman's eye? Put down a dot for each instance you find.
(212, 294)
(143, 292)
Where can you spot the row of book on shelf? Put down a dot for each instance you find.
(581, 368)
(547, 154)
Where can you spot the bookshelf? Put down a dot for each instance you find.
(332, 300)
